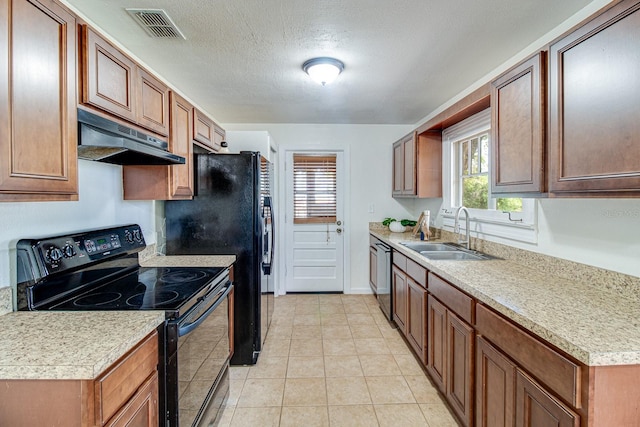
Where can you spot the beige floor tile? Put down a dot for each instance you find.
(347, 391)
(352, 416)
(263, 417)
(310, 347)
(397, 345)
(339, 347)
(388, 330)
(304, 416)
(379, 317)
(422, 389)
(336, 332)
(238, 372)
(307, 319)
(274, 347)
(225, 417)
(405, 415)
(408, 364)
(437, 415)
(371, 346)
(365, 331)
(304, 299)
(389, 390)
(379, 365)
(331, 309)
(280, 332)
(335, 319)
(305, 392)
(269, 367)
(360, 319)
(351, 298)
(301, 332)
(261, 392)
(356, 308)
(305, 367)
(235, 388)
(307, 309)
(330, 299)
(342, 366)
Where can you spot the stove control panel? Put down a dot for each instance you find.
(41, 257)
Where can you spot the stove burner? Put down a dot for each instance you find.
(182, 276)
(100, 298)
(154, 299)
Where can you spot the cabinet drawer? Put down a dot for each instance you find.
(550, 367)
(400, 260)
(458, 302)
(373, 240)
(417, 272)
(116, 386)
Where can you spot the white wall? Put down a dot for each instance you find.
(100, 205)
(369, 171)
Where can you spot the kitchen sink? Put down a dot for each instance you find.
(429, 247)
(445, 251)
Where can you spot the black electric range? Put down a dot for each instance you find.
(100, 270)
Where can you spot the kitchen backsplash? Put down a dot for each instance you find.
(6, 302)
(629, 285)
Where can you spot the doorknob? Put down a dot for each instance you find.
(339, 230)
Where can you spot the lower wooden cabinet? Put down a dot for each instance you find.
(450, 358)
(535, 407)
(373, 264)
(126, 394)
(399, 300)
(495, 384)
(416, 318)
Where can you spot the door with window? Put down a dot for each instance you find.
(314, 222)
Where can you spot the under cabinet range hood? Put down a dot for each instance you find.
(107, 141)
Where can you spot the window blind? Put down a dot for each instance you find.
(314, 189)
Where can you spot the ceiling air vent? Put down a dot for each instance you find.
(156, 23)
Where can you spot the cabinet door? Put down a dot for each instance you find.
(38, 125)
(409, 179)
(594, 116)
(153, 103)
(181, 144)
(459, 382)
(437, 342)
(400, 298)
(537, 408)
(142, 409)
(373, 268)
(204, 131)
(518, 128)
(108, 77)
(398, 168)
(417, 318)
(495, 385)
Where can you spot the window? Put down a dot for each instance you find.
(314, 189)
(466, 177)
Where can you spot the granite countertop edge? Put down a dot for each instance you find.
(159, 260)
(581, 332)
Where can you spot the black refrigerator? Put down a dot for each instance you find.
(232, 214)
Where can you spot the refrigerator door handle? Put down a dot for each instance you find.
(267, 214)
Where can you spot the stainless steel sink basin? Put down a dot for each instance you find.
(453, 256)
(429, 247)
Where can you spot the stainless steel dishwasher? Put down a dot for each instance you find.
(383, 255)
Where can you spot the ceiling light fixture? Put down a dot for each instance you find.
(323, 70)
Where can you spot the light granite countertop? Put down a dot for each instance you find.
(595, 325)
(188, 261)
(69, 345)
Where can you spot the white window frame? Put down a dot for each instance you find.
(485, 223)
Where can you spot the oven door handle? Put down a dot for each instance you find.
(184, 329)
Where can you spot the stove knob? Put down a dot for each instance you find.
(54, 254)
(137, 235)
(128, 236)
(69, 251)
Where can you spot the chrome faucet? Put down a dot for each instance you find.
(456, 227)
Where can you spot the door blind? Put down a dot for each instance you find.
(314, 189)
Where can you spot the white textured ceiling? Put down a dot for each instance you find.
(242, 59)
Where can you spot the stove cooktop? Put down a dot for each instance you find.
(145, 288)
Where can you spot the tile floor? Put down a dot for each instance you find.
(333, 360)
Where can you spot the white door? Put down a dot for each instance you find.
(315, 244)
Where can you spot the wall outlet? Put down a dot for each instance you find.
(372, 208)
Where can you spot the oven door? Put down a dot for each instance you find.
(203, 359)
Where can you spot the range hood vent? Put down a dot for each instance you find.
(156, 23)
(107, 141)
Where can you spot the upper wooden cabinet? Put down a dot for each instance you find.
(38, 124)
(206, 133)
(518, 138)
(594, 117)
(172, 182)
(417, 165)
(114, 83)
